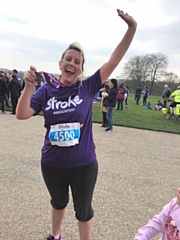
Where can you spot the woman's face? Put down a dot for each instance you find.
(111, 84)
(7, 75)
(71, 66)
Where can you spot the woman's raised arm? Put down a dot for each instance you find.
(121, 48)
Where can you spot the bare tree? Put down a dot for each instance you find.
(157, 64)
(149, 67)
(136, 70)
(172, 79)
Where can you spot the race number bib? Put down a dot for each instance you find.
(65, 134)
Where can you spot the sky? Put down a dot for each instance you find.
(36, 32)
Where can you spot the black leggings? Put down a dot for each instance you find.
(105, 121)
(145, 100)
(81, 181)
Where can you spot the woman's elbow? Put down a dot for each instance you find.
(23, 114)
(21, 117)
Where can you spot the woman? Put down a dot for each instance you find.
(104, 102)
(146, 94)
(120, 96)
(111, 103)
(68, 155)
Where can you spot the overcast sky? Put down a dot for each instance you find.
(36, 32)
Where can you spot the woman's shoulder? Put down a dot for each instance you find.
(95, 75)
(114, 90)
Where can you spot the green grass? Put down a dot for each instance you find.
(137, 116)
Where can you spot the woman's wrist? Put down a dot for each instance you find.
(29, 87)
(132, 27)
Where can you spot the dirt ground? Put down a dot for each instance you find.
(138, 174)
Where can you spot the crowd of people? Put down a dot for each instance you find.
(11, 86)
(10, 90)
(168, 96)
(113, 96)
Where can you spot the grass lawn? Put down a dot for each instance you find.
(137, 116)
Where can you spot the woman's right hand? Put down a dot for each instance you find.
(30, 77)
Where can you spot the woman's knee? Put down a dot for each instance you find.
(59, 205)
(84, 214)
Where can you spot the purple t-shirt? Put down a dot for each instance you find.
(61, 105)
(146, 92)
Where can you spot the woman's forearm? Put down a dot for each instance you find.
(123, 46)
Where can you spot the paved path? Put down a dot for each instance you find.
(139, 172)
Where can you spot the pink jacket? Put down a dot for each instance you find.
(167, 223)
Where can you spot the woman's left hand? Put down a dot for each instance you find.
(128, 19)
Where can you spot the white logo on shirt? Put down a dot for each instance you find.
(52, 103)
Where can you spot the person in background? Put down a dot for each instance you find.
(145, 96)
(18, 78)
(68, 157)
(159, 105)
(167, 222)
(7, 77)
(148, 106)
(3, 90)
(166, 94)
(111, 103)
(15, 73)
(126, 96)
(176, 96)
(15, 89)
(138, 94)
(104, 102)
(120, 96)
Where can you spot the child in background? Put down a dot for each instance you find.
(166, 222)
(148, 106)
(159, 105)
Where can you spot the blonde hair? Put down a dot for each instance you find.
(76, 46)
